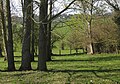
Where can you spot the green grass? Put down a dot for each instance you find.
(80, 69)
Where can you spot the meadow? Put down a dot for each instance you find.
(72, 69)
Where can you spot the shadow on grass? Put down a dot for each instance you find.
(68, 54)
(103, 77)
(92, 71)
(105, 58)
(71, 72)
(109, 58)
(106, 70)
(69, 60)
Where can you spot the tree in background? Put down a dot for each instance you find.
(87, 9)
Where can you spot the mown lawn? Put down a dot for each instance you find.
(80, 69)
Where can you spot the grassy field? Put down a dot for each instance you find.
(80, 69)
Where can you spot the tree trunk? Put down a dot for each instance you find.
(89, 46)
(1, 41)
(42, 33)
(59, 51)
(26, 58)
(11, 66)
(49, 49)
(89, 49)
(33, 41)
(70, 49)
(4, 29)
(76, 49)
(42, 37)
(1, 52)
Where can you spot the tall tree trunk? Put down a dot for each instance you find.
(4, 28)
(26, 59)
(49, 49)
(32, 36)
(11, 65)
(42, 36)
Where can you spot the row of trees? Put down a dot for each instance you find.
(87, 8)
(45, 20)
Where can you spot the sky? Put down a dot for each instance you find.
(17, 9)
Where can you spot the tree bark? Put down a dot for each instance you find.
(26, 58)
(89, 46)
(11, 65)
(1, 41)
(42, 33)
(49, 49)
(4, 29)
(32, 36)
(1, 52)
(70, 49)
(42, 36)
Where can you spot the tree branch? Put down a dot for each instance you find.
(55, 16)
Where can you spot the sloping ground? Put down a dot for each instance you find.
(81, 69)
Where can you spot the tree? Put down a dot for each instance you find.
(2, 11)
(49, 48)
(43, 32)
(1, 41)
(11, 66)
(26, 59)
(32, 35)
(88, 9)
(42, 36)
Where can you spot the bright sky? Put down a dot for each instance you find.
(16, 7)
